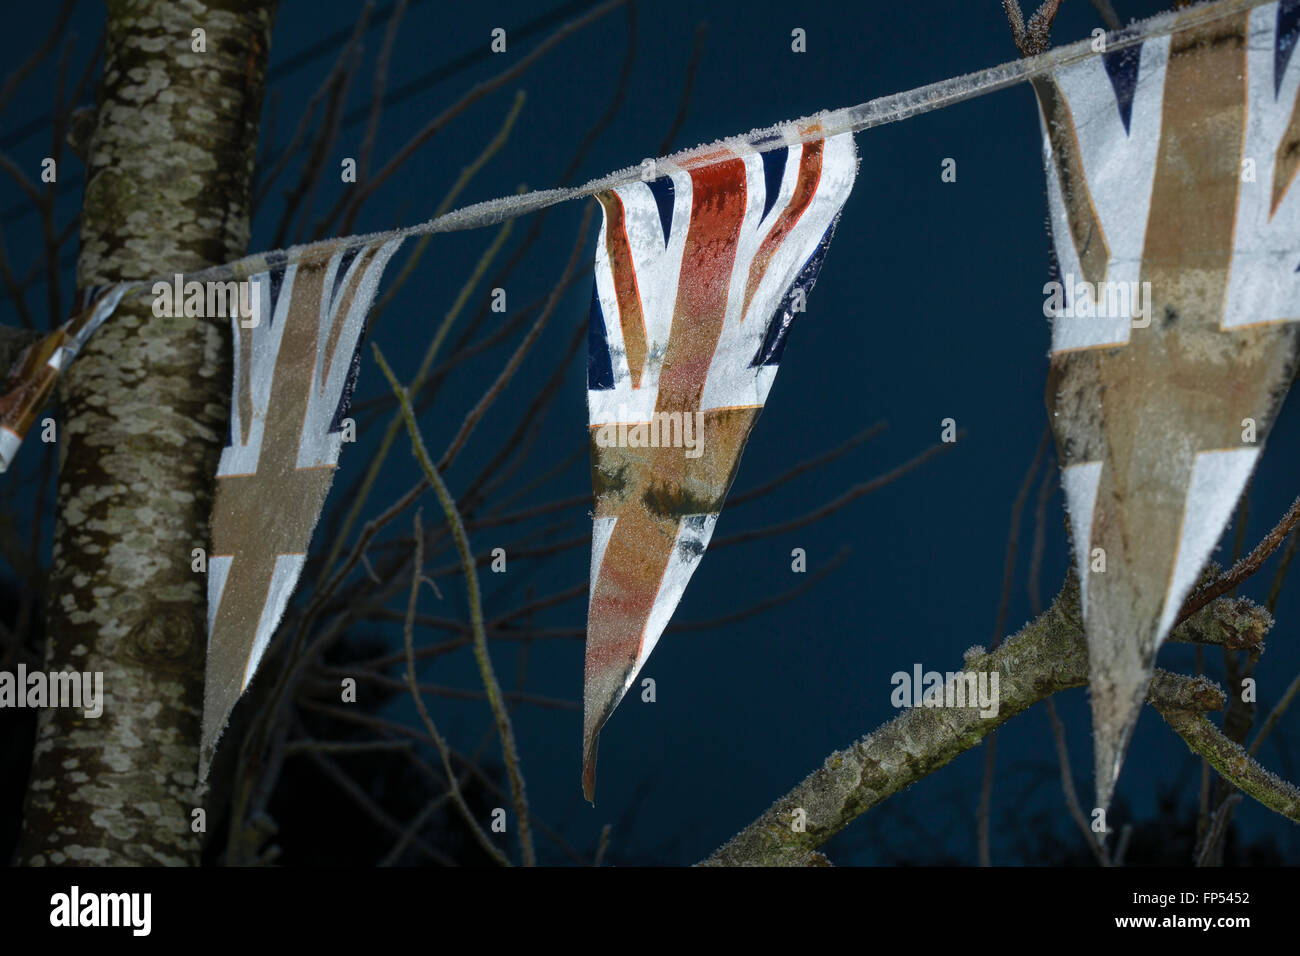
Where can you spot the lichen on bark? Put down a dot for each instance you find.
(1049, 654)
(143, 416)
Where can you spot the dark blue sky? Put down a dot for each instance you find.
(929, 306)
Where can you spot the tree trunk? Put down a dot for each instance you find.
(144, 413)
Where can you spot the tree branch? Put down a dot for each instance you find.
(1233, 763)
(1048, 655)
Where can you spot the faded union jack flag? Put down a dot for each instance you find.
(1170, 171)
(31, 380)
(699, 274)
(294, 369)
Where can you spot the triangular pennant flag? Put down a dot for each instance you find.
(1174, 336)
(32, 377)
(295, 363)
(699, 274)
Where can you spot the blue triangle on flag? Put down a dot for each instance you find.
(600, 369)
(1122, 68)
(663, 191)
(773, 170)
(773, 347)
(1288, 28)
(345, 261)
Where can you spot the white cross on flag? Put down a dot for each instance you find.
(293, 375)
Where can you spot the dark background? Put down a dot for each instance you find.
(929, 306)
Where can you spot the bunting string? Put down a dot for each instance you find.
(880, 111)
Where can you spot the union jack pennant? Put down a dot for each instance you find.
(295, 363)
(699, 274)
(31, 380)
(1176, 229)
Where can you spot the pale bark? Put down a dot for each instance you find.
(143, 418)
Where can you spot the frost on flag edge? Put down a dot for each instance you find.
(1150, 400)
(293, 370)
(698, 276)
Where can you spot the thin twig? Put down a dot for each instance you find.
(377, 90)
(372, 809)
(16, 77)
(985, 808)
(1067, 787)
(361, 494)
(602, 846)
(1108, 14)
(817, 461)
(509, 749)
(688, 85)
(857, 491)
(409, 643)
(347, 205)
(507, 373)
(1243, 568)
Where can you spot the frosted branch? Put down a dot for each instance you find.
(1049, 654)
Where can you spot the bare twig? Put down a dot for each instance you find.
(1107, 14)
(443, 750)
(1217, 831)
(984, 809)
(301, 197)
(857, 491)
(817, 461)
(1067, 787)
(688, 84)
(509, 749)
(1244, 568)
(349, 204)
(377, 90)
(372, 809)
(20, 73)
(507, 373)
(1034, 37)
(362, 494)
(603, 846)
